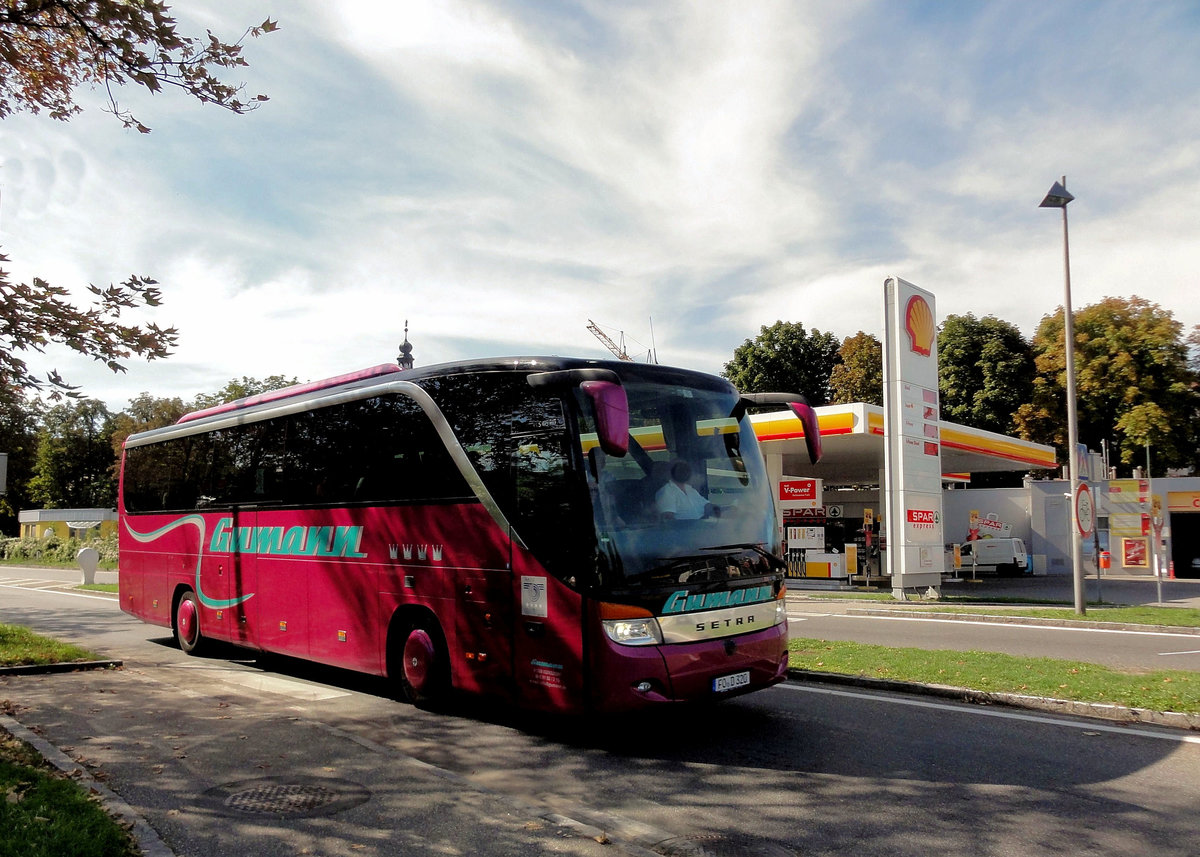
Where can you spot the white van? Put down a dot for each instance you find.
(1006, 557)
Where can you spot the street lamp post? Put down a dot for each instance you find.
(1058, 197)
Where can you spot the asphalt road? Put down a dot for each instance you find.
(194, 743)
(1142, 649)
(1121, 649)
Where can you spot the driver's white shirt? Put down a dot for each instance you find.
(683, 501)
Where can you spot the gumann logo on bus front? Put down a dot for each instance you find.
(684, 602)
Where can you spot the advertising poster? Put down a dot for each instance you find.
(1135, 553)
(799, 493)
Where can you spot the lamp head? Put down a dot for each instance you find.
(1058, 197)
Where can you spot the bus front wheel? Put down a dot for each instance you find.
(187, 623)
(423, 668)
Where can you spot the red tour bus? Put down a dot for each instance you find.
(486, 526)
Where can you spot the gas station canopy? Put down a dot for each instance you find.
(853, 443)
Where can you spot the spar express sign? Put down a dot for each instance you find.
(922, 525)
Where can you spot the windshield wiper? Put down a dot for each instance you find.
(774, 561)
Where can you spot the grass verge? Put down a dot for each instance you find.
(1174, 617)
(22, 647)
(887, 596)
(98, 587)
(43, 813)
(1161, 690)
(105, 565)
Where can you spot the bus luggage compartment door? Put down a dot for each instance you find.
(483, 630)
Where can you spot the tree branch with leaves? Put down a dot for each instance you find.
(49, 47)
(32, 316)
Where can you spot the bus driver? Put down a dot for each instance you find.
(678, 500)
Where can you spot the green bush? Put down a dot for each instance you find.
(52, 550)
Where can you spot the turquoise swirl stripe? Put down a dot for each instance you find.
(198, 522)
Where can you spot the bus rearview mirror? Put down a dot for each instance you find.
(812, 430)
(611, 406)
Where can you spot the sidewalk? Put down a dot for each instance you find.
(236, 775)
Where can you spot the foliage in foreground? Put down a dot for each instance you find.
(20, 647)
(52, 550)
(45, 814)
(1160, 690)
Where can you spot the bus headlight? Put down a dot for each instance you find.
(634, 632)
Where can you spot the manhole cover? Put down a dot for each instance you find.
(284, 798)
(722, 845)
(291, 797)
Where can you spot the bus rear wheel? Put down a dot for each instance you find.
(423, 670)
(187, 623)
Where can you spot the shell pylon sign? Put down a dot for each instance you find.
(912, 431)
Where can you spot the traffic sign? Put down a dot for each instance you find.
(1085, 512)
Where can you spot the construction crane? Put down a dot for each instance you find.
(618, 350)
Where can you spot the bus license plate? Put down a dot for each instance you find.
(730, 682)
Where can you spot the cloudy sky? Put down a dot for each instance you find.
(498, 173)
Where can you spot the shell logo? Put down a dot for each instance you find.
(918, 322)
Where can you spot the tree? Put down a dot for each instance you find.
(73, 468)
(985, 371)
(240, 389)
(47, 49)
(144, 413)
(784, 358)
(1133, 383)
(19, 416)
(858, 375)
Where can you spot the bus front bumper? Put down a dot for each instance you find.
(631, 677)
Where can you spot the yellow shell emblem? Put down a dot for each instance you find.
(918, 322)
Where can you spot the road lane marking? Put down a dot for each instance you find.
(979, 711)
(1192, 652)
(112, 597)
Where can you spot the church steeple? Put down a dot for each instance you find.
(405, 359)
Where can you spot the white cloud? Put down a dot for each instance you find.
(497, 174)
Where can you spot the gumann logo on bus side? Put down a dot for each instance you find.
(320, 541)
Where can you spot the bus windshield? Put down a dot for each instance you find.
(688, 502)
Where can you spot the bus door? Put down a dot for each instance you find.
(279, 608)
(229, 580)
(548, 638)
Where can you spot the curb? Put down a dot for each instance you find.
(62, 667)
(144, 835)
(1023, 620)
(1117, 713)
